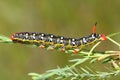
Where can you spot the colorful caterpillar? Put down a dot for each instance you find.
(51, 41)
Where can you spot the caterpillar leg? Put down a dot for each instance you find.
(50, 48)
(76, 51)
(42, 46)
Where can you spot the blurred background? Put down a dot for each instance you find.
(70, 18)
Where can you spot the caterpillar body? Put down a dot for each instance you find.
(61, 43)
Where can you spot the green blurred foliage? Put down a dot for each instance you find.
(72, 18)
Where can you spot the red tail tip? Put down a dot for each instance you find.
(103, 37)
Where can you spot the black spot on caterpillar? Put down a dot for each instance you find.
(51, 41)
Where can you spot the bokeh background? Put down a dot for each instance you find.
(71, 18)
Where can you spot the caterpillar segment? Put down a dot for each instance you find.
(60, 43)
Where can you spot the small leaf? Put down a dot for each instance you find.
(94, 60)
(79, 61)
(85, 70)
(106, 60)
(115, 65)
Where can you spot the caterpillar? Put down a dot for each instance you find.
(51, 41)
